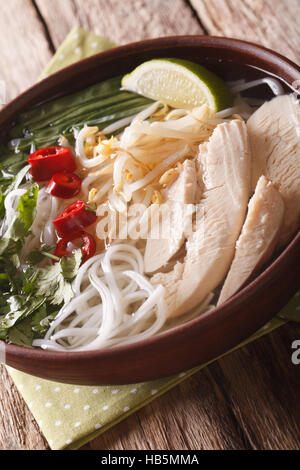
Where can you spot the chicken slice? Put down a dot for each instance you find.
(225, 165)
(176, 216)
(258, 239)
(274, 134)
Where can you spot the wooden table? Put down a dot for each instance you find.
(249, 399)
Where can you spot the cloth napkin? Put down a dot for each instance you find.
(69, 416)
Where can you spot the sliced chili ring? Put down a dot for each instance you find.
(88, 246)
(64, 185)
(47, 161)
(73, 219)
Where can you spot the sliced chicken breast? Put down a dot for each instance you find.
(225, 166)
(176, 217)
(274, 133)
(258, 239)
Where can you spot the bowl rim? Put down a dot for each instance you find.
(223, 311)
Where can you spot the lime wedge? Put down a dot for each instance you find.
(178, 83)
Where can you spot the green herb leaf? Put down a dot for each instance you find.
(27, 206)
(29, 278)
(21, 333)
(17, 308)
(37, 256)
(50, 283)
(35, 326)
(2, 207)
(54, 282)
(11, 245)
(11, 161)
(13, 239)
(71, 264)
(41, 320)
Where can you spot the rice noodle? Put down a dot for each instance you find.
(48, 234)
(41, 223)
(114, 303)
(20, 176)
(11, 203)
(12, 199)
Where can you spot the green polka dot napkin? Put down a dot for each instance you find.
(70, 416)
(78, 45)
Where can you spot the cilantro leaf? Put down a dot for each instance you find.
(50, 284)
(29, 278)
(2, 207)
(8, 182)
(42, 319)
(37, 256)
(31, 298)
(13, 239)
(17, 231)
(17, 308)
(35, 326)
(54, 282)
(71, 264)
(27, 206)
(21, 333)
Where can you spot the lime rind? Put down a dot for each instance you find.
(178, 83)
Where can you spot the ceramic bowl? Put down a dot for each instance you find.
(219, 330)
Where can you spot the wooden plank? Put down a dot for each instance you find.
(25, 51)
(18, 429)
(261, 386)
(120, 21)
(247, 400)
(194, 411)
(191, 416)
(259, 382)
(272, 23)
(24, 47)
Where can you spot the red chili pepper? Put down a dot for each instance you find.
(88, 246)
(74, 219)
(64, 185)
(50, 160)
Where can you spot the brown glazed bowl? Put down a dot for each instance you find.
(219, 330)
